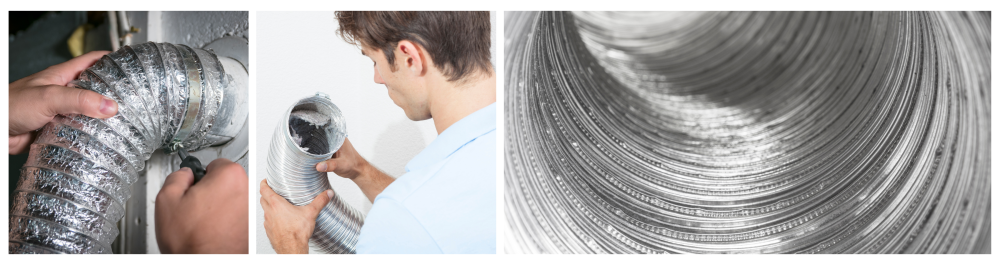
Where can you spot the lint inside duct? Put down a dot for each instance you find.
(310, 129)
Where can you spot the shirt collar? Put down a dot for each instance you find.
(457, 135)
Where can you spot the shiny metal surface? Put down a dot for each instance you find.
(80, 170)
(235, 106)
(291, 172)
(747, 132)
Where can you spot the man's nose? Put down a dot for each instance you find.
(378, 77)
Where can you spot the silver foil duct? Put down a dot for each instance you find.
(747, 132)
(311, 132)
(80, 170)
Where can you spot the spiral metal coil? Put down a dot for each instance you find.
(80, 170)
(291, 173)
(748, 132)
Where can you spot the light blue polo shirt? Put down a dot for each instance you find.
(446, 201)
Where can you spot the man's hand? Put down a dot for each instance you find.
(346, 162)
(289, 227)
(36, 99)
(210, 217)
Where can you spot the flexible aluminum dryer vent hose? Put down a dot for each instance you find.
(748, 132)
(311, 132)
(80, 170)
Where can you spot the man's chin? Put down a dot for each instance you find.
(414, 117)
(421, 118)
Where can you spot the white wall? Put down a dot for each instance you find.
(298, 54)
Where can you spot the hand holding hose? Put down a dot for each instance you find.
(348, 163)
(210, 217)
(37, 99)
(289, 227)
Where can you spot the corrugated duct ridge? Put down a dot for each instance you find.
(311, 131)
(747, 132)
(80, 170)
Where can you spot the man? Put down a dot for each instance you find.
(210, 217)
(434, 65)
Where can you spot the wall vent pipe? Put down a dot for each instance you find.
(79, 172)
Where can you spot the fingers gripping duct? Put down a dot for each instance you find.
(80, 170)
(311, 132)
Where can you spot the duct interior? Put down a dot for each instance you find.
(747, 132)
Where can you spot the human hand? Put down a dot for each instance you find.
(210, 217)
(289, 227)
(346, 162)
(37, 99)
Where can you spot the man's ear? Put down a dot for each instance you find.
(411, 57)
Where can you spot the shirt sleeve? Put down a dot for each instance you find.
(392, 229)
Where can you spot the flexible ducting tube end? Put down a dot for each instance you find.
(311, 132)
(73, 189)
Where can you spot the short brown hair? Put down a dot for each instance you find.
(458, 42)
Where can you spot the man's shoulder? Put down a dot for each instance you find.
(471, 168)
(480, 151)
(476, 159)
(452, 203)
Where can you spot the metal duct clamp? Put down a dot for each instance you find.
(193, 101)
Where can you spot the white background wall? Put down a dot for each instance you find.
(298, 54)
